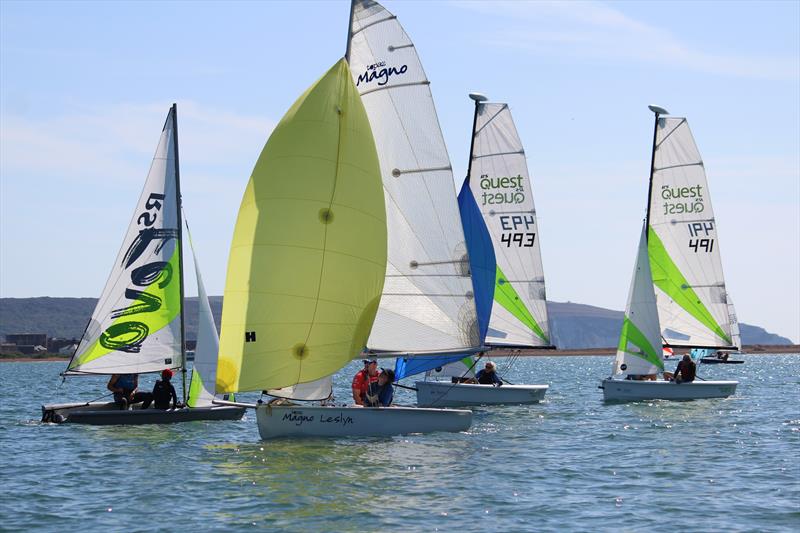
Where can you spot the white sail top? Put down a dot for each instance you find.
(427, 301)
(501, 185)
(135, 327)
(204, 372)
(684, 245)
(639, 349)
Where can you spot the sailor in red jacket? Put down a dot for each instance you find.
(362, 379)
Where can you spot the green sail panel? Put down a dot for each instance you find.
(668, 277)
(308, 256)
(507, 296)
(632, 335)
(158, 307)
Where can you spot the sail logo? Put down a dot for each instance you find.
(502, 190)
(680, 200)
(128, 335)
(379, 71)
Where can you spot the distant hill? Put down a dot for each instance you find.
(573, 325)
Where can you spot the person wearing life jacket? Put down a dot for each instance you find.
(163, 391)
(362, 380)
(381, 392)
(488, 376)
(685, 371)
(126, 393)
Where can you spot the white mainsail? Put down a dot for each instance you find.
(136, 325)
(639, 349)
(204, 372)
(427, 302)
(684, 245)
(501, 185)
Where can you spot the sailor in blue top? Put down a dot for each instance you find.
(124, 387)
(381, 392)
(488, 376)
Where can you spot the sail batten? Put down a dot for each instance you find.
(426, 304)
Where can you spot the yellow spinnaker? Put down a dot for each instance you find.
(308, 256)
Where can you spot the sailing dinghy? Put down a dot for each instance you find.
(499, 221)
(138, 324)
(306, 272)
(678, 296)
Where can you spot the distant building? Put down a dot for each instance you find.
(27, 339)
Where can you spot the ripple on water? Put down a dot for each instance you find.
(570, 462)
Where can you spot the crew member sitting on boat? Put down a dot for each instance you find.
(363, 379)
(488, 376)
(380, 393)
(685, 371)
(164, 391)
(124, 387)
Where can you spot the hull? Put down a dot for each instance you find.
(628, 390)
(716, 361)
(443, 394)
(108, 414)
(299, 421)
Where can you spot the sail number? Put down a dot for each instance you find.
(702, 231)
(128, 335)
(514, 227)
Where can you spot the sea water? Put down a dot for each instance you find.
(569, 463)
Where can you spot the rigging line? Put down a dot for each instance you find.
(467, 371)
(503, 108)
(681, 123)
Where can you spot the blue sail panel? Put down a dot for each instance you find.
(482, 261)
(409, 366)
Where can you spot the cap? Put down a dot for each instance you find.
(367, 361)
(490, 364)
(166, 373)
(389, 373)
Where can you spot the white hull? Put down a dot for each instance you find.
(300, 421)
(444, 394)
(629, 390)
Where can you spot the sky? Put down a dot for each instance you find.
(85, 88)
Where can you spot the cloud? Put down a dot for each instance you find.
(90, 146)
(595, 30)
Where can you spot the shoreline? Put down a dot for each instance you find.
(748, 350)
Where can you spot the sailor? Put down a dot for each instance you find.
(363, 378)
(125, 389)
(381, 392)
(685, 371)
(488, 376)
(163, 391)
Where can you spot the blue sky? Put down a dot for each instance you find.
(85, 87)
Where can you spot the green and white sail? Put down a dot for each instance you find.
(308, 256)
(427, 303)
(501, 185)
(684, 244)
(136, 325)
(639, 348)
(204, 371)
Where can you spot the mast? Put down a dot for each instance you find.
(180, 245)
(658, 111)
(478, 98)
(349, 31)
